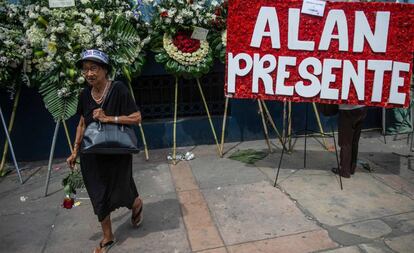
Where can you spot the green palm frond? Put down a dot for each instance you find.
(61, 107)
(122, 29)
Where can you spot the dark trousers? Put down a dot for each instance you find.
(349, 131)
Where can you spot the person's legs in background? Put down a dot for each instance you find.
(359, 115)
(345, 133)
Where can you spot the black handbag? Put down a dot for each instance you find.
(328, 109)
(106, 138)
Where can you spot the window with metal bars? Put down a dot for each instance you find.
(155, 96)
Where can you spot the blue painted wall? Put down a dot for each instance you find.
(34, 127)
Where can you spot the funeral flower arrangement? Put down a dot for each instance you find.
(218, 37)
(57, 36)
(13, 49)
(174, 22)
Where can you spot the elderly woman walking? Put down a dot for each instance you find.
(108, 177)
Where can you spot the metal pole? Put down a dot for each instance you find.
(52, 151)
(11, 146)
(11, 123)
(337, 158)
(280, 163)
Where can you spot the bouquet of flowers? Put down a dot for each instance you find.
(173, 23)
(13, 49)
(57, 36)
(218, 38)
(70, 183)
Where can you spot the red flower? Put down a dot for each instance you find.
(185, 43)
(68, 203)
(218, 11)
(164, 14)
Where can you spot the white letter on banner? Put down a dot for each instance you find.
(358, 79)
(328, 77)
(233, 69)
(282, 74)
(293, 33)
(379, 67)
(397, 81)
(376, 40)
(335, 18)
(260, 72)
(267, 15)
(314, 87)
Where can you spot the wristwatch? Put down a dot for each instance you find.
(116, 119)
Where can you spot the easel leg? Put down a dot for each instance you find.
(11, 123)
(290, 125)
(52, 151)
(144, 141)
(175, 121)
(67, 135)
(284, 123)
(337, 158)
(11, 146)
(264, 126)
(306, 135)
(223, 129)
(412, 126)
(318, 119)
(383, 125)
(280, 163)
(209, 116)
(269, 117)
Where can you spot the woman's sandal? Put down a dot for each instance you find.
(105, 247)
(137, 217)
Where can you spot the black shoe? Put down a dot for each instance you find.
(336, 171)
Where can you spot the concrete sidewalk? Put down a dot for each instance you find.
(218, 205)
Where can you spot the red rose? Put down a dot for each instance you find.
(164, 14)
(185, 43)
(68, 203)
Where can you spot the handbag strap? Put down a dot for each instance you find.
(106, 98)
(108, 94)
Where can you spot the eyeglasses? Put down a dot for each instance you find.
(93, 69)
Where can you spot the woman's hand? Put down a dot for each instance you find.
(71, 160)
(99, 114)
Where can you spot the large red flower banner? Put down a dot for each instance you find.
(356, 53)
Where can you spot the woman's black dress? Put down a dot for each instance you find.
(108, 178)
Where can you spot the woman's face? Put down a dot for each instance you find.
(93, 72)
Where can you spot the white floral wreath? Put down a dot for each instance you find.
(186, 59)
